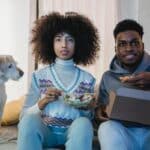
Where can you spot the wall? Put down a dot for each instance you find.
(140, 11)
(144, 19)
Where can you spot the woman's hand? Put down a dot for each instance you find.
(51, 95)
(92, 104)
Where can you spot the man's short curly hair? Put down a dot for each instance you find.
(77, 25)
(128, 24)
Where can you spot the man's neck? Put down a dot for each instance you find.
(131, 68)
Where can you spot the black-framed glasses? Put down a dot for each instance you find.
(122, 44)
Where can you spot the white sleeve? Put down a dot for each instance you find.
(32, 97)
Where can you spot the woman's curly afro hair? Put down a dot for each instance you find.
(80, 27)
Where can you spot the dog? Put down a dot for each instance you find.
(8, 70)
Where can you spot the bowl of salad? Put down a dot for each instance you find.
(78, 100)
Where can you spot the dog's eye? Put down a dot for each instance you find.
(10, 66)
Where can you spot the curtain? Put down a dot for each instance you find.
(14, 32)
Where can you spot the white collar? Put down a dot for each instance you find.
(65, 63)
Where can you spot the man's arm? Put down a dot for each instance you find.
(100, 113)
(102, 99)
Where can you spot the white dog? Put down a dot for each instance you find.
(8, 70)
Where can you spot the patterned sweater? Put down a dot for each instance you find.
(63, 75)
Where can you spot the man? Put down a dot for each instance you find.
(130, 60)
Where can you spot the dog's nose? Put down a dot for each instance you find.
(21, 72)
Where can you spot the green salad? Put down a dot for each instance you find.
(78, 101)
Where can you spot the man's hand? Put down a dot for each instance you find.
(101, 114)
(51, 95)
(141, 80)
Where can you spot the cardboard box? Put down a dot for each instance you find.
(130, 105)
